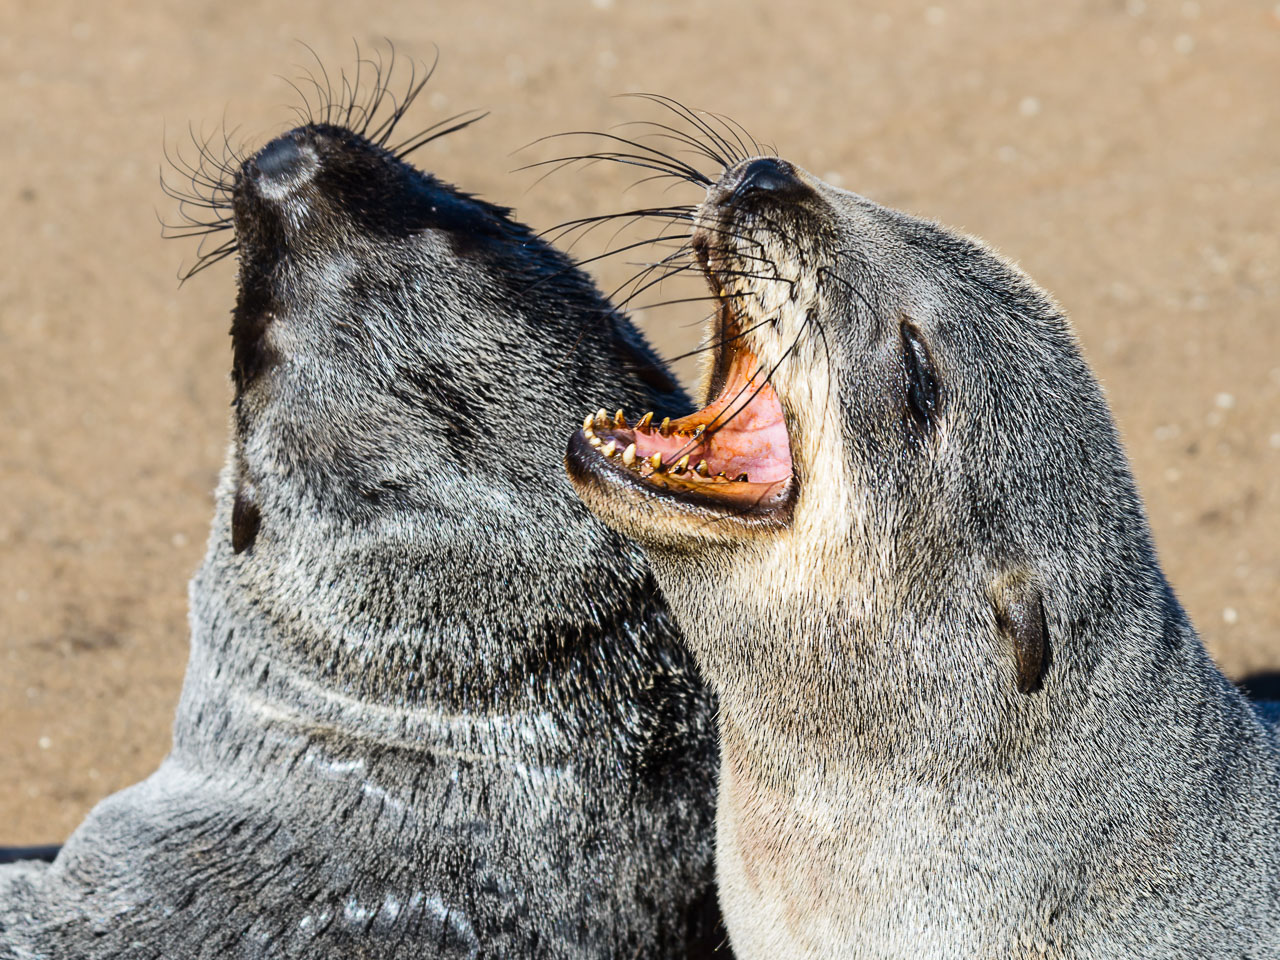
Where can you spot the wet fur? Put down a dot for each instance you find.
(908, 768)
(432, 708)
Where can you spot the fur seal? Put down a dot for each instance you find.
(962, 713)
(433, 708)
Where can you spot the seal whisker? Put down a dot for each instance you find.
(648, 154)
(301, 111)
(735, 128)
(353, 99)
(204, 259)
(679, 136)
(572, 266)
(718, 342)
(381, 77)
(589, 159)
(382, 133)
(730, 155)
(646, 281)
(324, 95)
(435, 132)
(675, 183)
(558, 232)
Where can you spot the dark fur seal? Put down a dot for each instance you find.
(962, 712)
(433, 707)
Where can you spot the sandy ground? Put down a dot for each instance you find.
(1123, 152)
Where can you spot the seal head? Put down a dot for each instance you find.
(961, 711)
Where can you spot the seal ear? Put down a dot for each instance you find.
(245, 520)
(922, 385)
(1019, 609)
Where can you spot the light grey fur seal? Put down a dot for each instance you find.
(433, 707)
(962, 713)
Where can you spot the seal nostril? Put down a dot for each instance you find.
(768, 175)
(281, 159)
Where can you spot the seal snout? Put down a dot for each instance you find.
(282, 166)
(765, 176)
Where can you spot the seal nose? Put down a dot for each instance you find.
(280, 158)
(282, 165)
(768, 175)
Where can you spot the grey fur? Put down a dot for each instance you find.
(433, 708)
(887, 789)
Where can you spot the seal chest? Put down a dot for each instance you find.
(961, 712)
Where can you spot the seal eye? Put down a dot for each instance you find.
(922, 386)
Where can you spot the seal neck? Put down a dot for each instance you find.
(606, 681)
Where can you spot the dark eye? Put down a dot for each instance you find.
(922, 386)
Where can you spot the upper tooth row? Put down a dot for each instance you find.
(602, 419)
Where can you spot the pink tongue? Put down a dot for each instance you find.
(762, 453)
(745, 433)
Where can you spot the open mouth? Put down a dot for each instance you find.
(732, 457)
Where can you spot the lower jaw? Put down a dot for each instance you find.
(655, 509)
(723, 470)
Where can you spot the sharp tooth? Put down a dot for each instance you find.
(586, 423)
(656, 461)
(610, 448)
(724, 292)
(665, 427)
(740, 478)
(681, 465)
(702, 469)
(618, 419)
(643, 423)
(602, 417)
(701, 428)
(629, 455)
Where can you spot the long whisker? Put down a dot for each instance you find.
(416, 142)
(656, 159)
(679, 136)
(728, 156)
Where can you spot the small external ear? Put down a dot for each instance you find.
(923, 387)
(1019, 609)
(245, 520)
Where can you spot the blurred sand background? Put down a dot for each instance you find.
(1124, 152)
